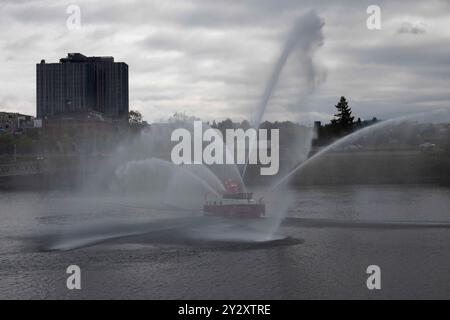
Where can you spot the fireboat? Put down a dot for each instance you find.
(234, 204)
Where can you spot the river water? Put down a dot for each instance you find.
(128, 249)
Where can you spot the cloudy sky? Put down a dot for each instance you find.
(213, 58)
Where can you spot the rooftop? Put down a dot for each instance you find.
(78, 57)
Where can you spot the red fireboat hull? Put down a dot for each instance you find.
(235, 210)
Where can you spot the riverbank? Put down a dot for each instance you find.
(370, 167)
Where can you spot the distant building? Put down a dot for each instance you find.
(80, 84)
(11, 122)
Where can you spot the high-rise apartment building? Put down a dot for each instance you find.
(80, 84)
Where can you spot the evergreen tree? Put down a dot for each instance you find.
(344, 119)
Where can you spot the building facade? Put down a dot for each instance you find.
(12, 122)
(80, 84)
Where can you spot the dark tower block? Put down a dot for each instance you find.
(79, 84)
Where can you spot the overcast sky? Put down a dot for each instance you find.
(212, 59)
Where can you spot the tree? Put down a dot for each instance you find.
(134, 117)
(245, 125)
(182, 117)
(225, 124)
(344, 119)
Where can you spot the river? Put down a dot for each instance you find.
(128, 249)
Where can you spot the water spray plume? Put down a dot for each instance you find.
(305, 36)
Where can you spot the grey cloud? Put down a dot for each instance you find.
(198, 43)
(22, 43)
(413, 28)
(416, 56)
(12, 103)
(36, 12)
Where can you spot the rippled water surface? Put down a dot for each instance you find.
(127, 248)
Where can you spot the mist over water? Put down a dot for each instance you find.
(172, 198)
